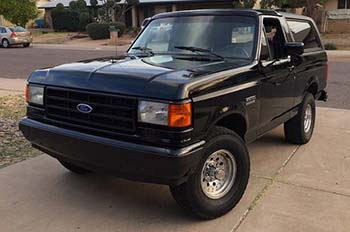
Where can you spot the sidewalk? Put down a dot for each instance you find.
(292, 188)
(12, 86)
(339, 56)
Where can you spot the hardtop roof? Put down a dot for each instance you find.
(242, 12)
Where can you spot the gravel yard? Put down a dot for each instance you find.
(13, 146)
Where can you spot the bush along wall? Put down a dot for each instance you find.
(74, 18)
(101, 30)
(65, 20)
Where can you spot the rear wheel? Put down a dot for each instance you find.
(5, 43)
(75, 169)
(299, 129)
(220, 179)
(26, 45)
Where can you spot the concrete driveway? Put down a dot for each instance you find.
(291, 188)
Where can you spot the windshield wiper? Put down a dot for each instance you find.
(146, 50)
(203, 50)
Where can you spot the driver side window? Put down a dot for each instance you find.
(275, 38)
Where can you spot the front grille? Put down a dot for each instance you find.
(111, 113)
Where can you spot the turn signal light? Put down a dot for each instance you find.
(27, 93)
(180, 115)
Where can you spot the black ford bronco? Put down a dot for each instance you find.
(179, 108)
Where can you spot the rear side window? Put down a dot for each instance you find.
(17, 29)
(305, 32)
(2, 30)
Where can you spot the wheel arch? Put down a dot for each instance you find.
(235, 121)
(312, 86)
(3, 39)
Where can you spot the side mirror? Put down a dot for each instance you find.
(294, 48)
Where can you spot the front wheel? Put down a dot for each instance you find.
(299, 129)
(220, 179)
(26, 45)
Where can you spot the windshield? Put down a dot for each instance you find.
(226, 36)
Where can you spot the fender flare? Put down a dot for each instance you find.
(311, 81)
(240, 111)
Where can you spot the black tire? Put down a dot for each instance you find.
(5, 43)
(190, 195)
(75, 169)
(26, 45)
(294, 129)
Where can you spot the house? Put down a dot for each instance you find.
(148, 8)
(337, 16)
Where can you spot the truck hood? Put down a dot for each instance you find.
(159, 76)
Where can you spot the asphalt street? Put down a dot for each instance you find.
(20, 62)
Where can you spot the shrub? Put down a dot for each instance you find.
(84, 20)
(65, 20)
(101, 30)
(60, 6)
(330, 46)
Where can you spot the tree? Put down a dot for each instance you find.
(244, 3)
(74, 18)
(311, 6)
(93, 4)
(112, 10)
(283, 4)
(81, 4)
(18, 12)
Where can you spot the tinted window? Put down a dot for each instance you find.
(2, 30)
(304, 32)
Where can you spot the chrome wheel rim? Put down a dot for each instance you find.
(218, 174)
(308, 118)
(5, 44)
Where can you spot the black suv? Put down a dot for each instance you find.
(179, 108)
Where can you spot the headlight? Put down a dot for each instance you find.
(35, 95)
(172, 115)
(153, 112)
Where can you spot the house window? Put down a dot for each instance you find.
(343, 4)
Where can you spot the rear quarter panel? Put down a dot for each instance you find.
(314, 66)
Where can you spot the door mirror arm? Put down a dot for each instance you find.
(296, 60)
(295, 50)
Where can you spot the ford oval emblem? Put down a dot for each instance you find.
(84, 108)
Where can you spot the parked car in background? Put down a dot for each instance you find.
(15, 36)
